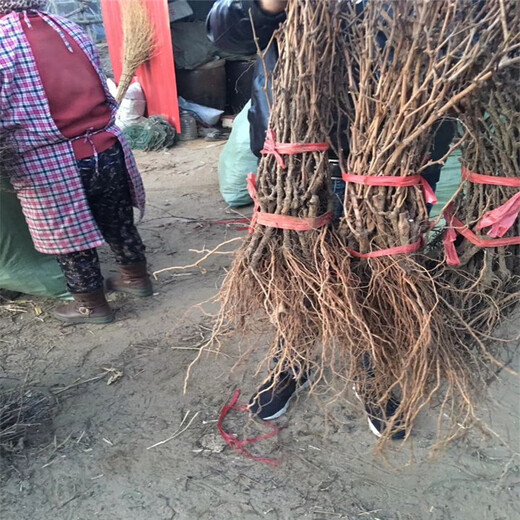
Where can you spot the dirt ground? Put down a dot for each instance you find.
(94, 459)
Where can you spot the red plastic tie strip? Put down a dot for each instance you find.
(454, 226)
(501, 219)
(238, 445)
(282, 221)
(278, 149)
(399, 250)
(477, 178)
(393, 181)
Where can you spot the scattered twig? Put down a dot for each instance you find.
(198, 262)
(178, 432)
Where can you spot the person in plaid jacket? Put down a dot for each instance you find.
(75, 175)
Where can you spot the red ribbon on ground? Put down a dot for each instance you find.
(278, 149)
(282, 221)
(454, 226)
(394, 181)
(501, 219)
(238, 445)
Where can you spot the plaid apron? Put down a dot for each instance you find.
(46, 176)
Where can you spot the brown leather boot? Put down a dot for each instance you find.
(133, 279)
(86, 308)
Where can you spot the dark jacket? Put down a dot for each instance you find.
(229, 27)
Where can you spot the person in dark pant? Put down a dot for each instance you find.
(75, 175)
(229, 27)
(108, 194)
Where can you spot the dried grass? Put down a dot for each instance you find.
(21, 411)
(139, 41)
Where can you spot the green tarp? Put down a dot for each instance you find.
(22, 268)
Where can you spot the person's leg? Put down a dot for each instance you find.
(85, 283)
(111, 205)
(338, 190)
(273, 397)
(379, 414)
(81, 270)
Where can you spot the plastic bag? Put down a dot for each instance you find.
(448, 183)
(236, 162)
(133, 106)
(206, 115)
(22, 268)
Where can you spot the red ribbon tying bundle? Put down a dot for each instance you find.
(282, 221)
(279, 149)
(400, 250)
(501, 219)
(238, 445)
(392, 181)
(454, 226)
(398, 182)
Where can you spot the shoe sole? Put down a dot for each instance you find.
(301, 388)
(141, 293)
(78, 321)
(371, 426)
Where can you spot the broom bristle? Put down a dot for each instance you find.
(139, 43)
(7, 153)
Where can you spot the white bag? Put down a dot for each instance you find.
(132, 107)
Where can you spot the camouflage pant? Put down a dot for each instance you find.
(108, 194)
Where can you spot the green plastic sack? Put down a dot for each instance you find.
(236, 162)
(448, 183)
(22, 268)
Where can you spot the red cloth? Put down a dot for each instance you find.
(74, 90)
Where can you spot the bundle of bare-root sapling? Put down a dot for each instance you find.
(482, 240)
(288, 267)
(411, 61)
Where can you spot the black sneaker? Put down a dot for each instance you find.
(272, 399)
(377, 419)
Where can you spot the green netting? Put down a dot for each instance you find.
(152, 133)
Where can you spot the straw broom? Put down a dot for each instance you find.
(6, 152)
(139, 42)
(7, 159)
